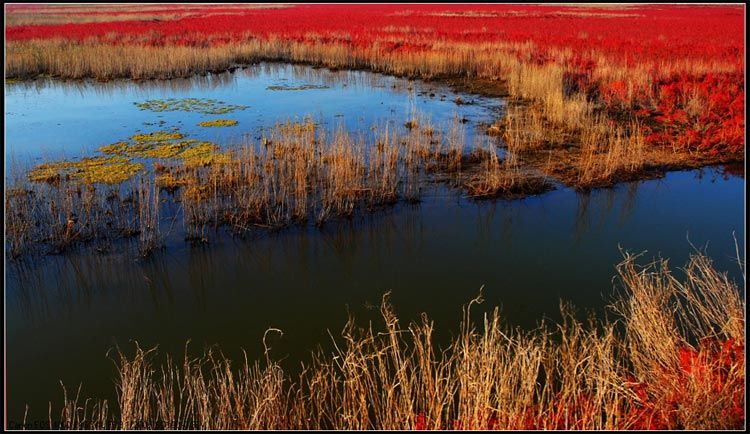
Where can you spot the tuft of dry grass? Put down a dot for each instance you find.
(503, 179)
(677, 364)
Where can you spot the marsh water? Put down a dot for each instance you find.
(64, 312)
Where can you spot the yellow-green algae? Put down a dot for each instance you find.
(219, 123)
(157, 136)
(117, 166)
(203, 154)
(167, 150)
(119, 148)
(165, 145)
(148, 149)
(149, 145)
(94, 170)
(205, 106)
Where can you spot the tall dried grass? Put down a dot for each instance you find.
(627, 374)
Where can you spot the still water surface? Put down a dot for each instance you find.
(64, 312)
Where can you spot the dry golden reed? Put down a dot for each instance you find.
(628, 374)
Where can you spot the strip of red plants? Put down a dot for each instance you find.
(708, 369)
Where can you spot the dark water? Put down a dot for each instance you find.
(63, 313)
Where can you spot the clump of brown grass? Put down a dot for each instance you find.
(150, 237)
(572, 376)
(503, 179)
(598, 155)
(54, 217)
(610, 153)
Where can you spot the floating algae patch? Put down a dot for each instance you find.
(148, 149)
(111, 171)
(203, 154)
(95, 170)
(118, 148)
(48, 172)
(164, 145)
(157, 136)
(167, 150)
(301, 87)
(205, 106)
(159, 144)
(117, 165)
(219, 123)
